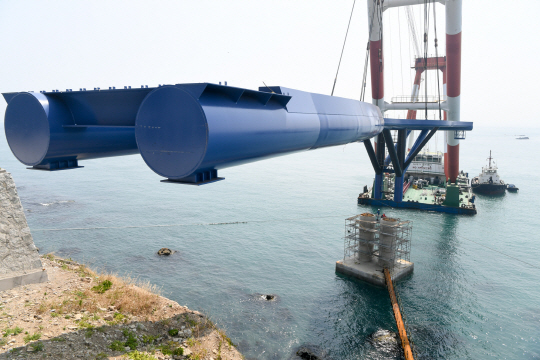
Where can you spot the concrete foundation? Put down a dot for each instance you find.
(372, 272)
(19, 259)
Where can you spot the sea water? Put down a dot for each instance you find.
(276, 227)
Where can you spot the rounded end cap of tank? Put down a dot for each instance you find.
(171, 132)
(27, 127)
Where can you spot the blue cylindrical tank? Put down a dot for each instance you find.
(184, 132)
(55, 130)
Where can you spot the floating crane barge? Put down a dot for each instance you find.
(456, 198)
(455, 195)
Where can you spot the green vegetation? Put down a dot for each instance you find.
(173, 332)
(83, 324)
(131, 341)
(15, 331)
(117, 345)
(191, 342)
(29, 338)
(171, 348)
(59, 339)
(37, 346)
(149, 339)
(102, 286)
(189, 321)
(101, 356)
(135, 355)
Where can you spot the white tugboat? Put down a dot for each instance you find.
(488, 182)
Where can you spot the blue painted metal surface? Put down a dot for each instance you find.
(184, 132)
(417, 206)
(413, 124)
(377, 189)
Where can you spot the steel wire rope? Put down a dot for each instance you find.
(380, 20)
(391, 51)
(426, 30)
(343, 48)
(400, 53)
(363, 89)
(437, 57)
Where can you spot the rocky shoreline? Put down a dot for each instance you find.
(79, 314)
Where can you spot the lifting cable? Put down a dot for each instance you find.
(426, 30)
(343, 48)
(363, 90)
(437, 57)
(400, 54)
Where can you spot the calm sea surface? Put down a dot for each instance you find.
(475, 291)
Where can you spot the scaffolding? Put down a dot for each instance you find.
(384, 240)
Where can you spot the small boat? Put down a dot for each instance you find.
(522, 138)
(488, 182)
(512, 188)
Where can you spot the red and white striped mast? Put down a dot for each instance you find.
(451, 74)
(453, 85)
(376, 61)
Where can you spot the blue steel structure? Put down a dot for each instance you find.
(184, 132)
(400, 164)
(187, 132)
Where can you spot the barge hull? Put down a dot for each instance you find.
(417, 206)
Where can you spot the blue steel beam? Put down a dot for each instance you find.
(387, 160)
(411, 157)
(372, 157)
(184, 132)
(417, 143)
(392, 152)
(398, 183)
(413, 124)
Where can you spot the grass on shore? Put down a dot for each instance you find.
(127, 295)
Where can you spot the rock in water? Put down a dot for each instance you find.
(385, 344)
(164, 251)
(269, 297)
(310, 352)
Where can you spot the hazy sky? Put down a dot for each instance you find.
(49, 45)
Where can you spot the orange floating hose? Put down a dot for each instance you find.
(397, 314)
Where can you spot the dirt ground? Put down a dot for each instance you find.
(78, 314)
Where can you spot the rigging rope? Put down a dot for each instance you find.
(426, 31)
(363, 90)
(437, 57)
(343, 48)
(400, 54)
